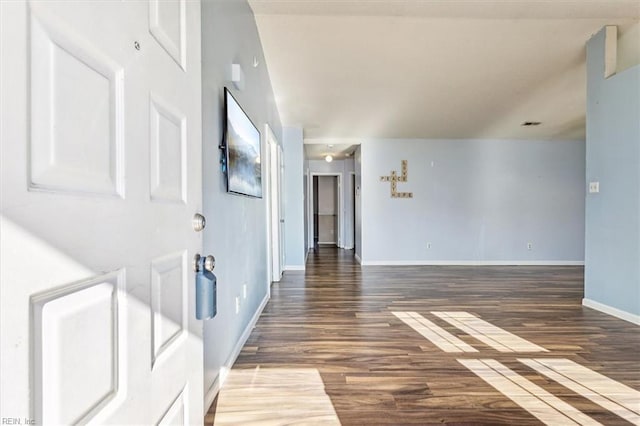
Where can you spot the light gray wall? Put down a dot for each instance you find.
(327, 189)
(344, 167)
(477, 201)
(236, 232)
(295, 252)
(612, 256)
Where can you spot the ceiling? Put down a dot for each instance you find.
(316, 149)
(347, 71)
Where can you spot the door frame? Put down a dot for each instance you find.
(340, 242)
(274, 252)
(352, 202)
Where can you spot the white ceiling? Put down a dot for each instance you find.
(319, 150)
(432, 68)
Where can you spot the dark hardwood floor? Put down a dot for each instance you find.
(339, 319)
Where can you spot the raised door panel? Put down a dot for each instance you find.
(168, 302)
(78, 349)
(177, 414)
(167, 23)
(168, 152)
(77, 114)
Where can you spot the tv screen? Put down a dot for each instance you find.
(242, 150)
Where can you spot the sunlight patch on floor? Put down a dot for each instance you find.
(614, 396)
(437, 335)
(274, 396)
(499, 339)
(540, 403)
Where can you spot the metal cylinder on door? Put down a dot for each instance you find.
(206, 287)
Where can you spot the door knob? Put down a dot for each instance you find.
(208, 264)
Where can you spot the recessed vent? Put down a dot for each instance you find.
(531, 123)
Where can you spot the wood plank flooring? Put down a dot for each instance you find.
(331, 348)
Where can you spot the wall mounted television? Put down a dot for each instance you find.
(242, 150)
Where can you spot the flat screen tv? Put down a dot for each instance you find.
(241, 143)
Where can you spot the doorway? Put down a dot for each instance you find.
(326, 194)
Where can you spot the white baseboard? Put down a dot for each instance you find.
(294, 267)
(358, 258)
(472, 262)
(627, 316)
(219, 381)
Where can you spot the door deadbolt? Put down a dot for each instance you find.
(198, 222)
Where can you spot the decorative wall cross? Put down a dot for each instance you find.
(394, 179)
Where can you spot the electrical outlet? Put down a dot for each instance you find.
(428, 245)
(237, 305)
(244, 291)
(529, 246)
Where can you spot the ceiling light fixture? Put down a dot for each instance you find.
(328, 158)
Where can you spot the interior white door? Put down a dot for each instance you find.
(281, 213)
(274, 181)
(101, 176)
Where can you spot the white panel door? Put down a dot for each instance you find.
(100, 179)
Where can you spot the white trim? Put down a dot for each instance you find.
(352, 216)
(267, 205)
(472, 262)
(357, 258)
(627, 316)
(294, 267)
(309, 201)
(219, 381)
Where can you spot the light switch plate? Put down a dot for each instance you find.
(594, 187)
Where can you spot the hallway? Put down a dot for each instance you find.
(341, 344)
